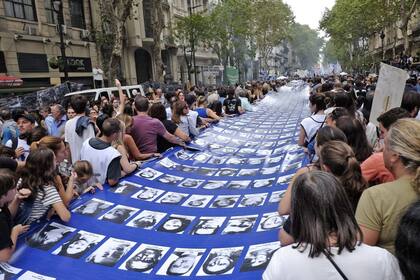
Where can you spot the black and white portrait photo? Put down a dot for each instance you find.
(269, 170)
(258, 256)
(240, 224)
(144, 258)
(79, 244)
(148, 173)
(207, 171)
(225, 201)
(238, 185)
(220, 261)
(256, 161)
(7, 271)
(263, 152)
(273, 160)
(263, 183)
(247, 151)
(191, 183)
(201, 157)
(181, 262)
(166, 162)
(170, 179)
(147, 194)
(183, 155)
(125, 188)
(172, 198)
(119, 214)
(110, 252)
(276, 196)
(235, 161)
(226, 172)
(207, 225)
(48, 236)
(253, 200)
(271, 221)
(213, 185)
(284, 179)
(176, 224)
(216, 160)
(248, 172)
(93, 207)
(291, 166)
(196, 200)
(186, 168)
(146, 219)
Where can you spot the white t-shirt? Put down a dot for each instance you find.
(75, 141)
(311, 125)
(366, 262)
(20, 143)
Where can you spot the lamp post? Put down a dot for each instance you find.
(192, 40)
(382, 36)
(58, 8)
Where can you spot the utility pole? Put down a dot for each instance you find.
(60, 17)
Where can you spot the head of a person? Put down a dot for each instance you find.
(145, 221)
(329, 133)
(100, 121)
(44, 111)
(144, 260)
(117, 215)
(115, 103)
(201, 101)
(25, 123)
(111, 128)
(317, 102)
(158, 111)
(93, 114)
(83, 170)
(180, 108)
(56, 144)
(386, 119)
(141, 104)
(230, 92)
(175, 224)
(77, 247)
(343, 99)
(407, 247)
(338, 158)
(126, 119)
(57, 111)
(181, 265)
(411, 102)
(320, 208)
(356, 136)
(158, 92)
(70, 113)
(5, 114)
(402, 150)
(218, 264)
(206, 226)
(191, 100)
(79, 103)
(8, 182)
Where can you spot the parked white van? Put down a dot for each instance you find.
(96, 93)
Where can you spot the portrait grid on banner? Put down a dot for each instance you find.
(144, 258)
(181, 262)
(93, 207)
(110, 252)
(220, 261)
(48, 236)
(79, 244)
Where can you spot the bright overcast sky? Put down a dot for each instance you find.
(309, 11)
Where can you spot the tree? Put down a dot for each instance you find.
(272, 21)
(157, 27)
(306, 44)
(110, 36)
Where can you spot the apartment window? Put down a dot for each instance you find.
(24, 9)
(77, 14)
(49, 10)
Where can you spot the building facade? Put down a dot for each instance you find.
(30, 41)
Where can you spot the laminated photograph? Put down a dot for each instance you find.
(191, 183)
(147, 194)
(119, 214)
(172, 198)
(226, 172)
(110, 252)
(253, 200)
(198, 201)
(240, 224)
(146, 219)
(79, 244)
(238, 185)
(166, 162)
(220, 261)
(258, 256)
(225, 201)
(93, 207)
(213, 185)
(176, 224)
(30, 275)
(248, 172)
(276, 196)
(8, 272)
(144, 258)
(271, 221)
(48, 236)
(263, 183)
(148, 173)
(170, 179)
(125, 188)
(207, 171)
(181, 262)
(207, 225)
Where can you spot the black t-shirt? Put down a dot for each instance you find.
(6, 226)
(114, 168)
(8, 163)
(231, 105)
(162, 143)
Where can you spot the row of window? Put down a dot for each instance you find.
(25, 9)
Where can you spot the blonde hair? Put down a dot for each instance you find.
(50, 142)
(404, 139)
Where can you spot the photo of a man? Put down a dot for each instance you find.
(144, 258)
(181, 262)
(110, 252)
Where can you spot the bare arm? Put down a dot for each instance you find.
(121, 96)
(6, 253)
(133, 151)
(212, 114)
(301, 140)
(62, 211)
(126, 166)
(181, 135)
(370, 237)
(172, 139)
(66, 195)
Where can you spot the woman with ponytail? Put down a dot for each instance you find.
(338, 158)
(381, 207)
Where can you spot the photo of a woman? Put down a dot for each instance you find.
(77, 246)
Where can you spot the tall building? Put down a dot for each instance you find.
(30, 42)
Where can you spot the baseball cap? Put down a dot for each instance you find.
(28, 117)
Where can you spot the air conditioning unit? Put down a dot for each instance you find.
(31, 30)
(64, 29)
(85, 34)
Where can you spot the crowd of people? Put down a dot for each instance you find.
(353, 209)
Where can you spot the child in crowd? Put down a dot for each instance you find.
(9, 199)
(82, 179)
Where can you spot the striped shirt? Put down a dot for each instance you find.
(43, 202)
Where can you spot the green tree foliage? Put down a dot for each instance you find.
(306, 44)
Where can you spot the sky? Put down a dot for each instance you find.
(309, 11)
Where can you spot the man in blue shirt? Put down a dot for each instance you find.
(56, 122)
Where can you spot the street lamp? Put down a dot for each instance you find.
(382, 36)
(58, 8)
